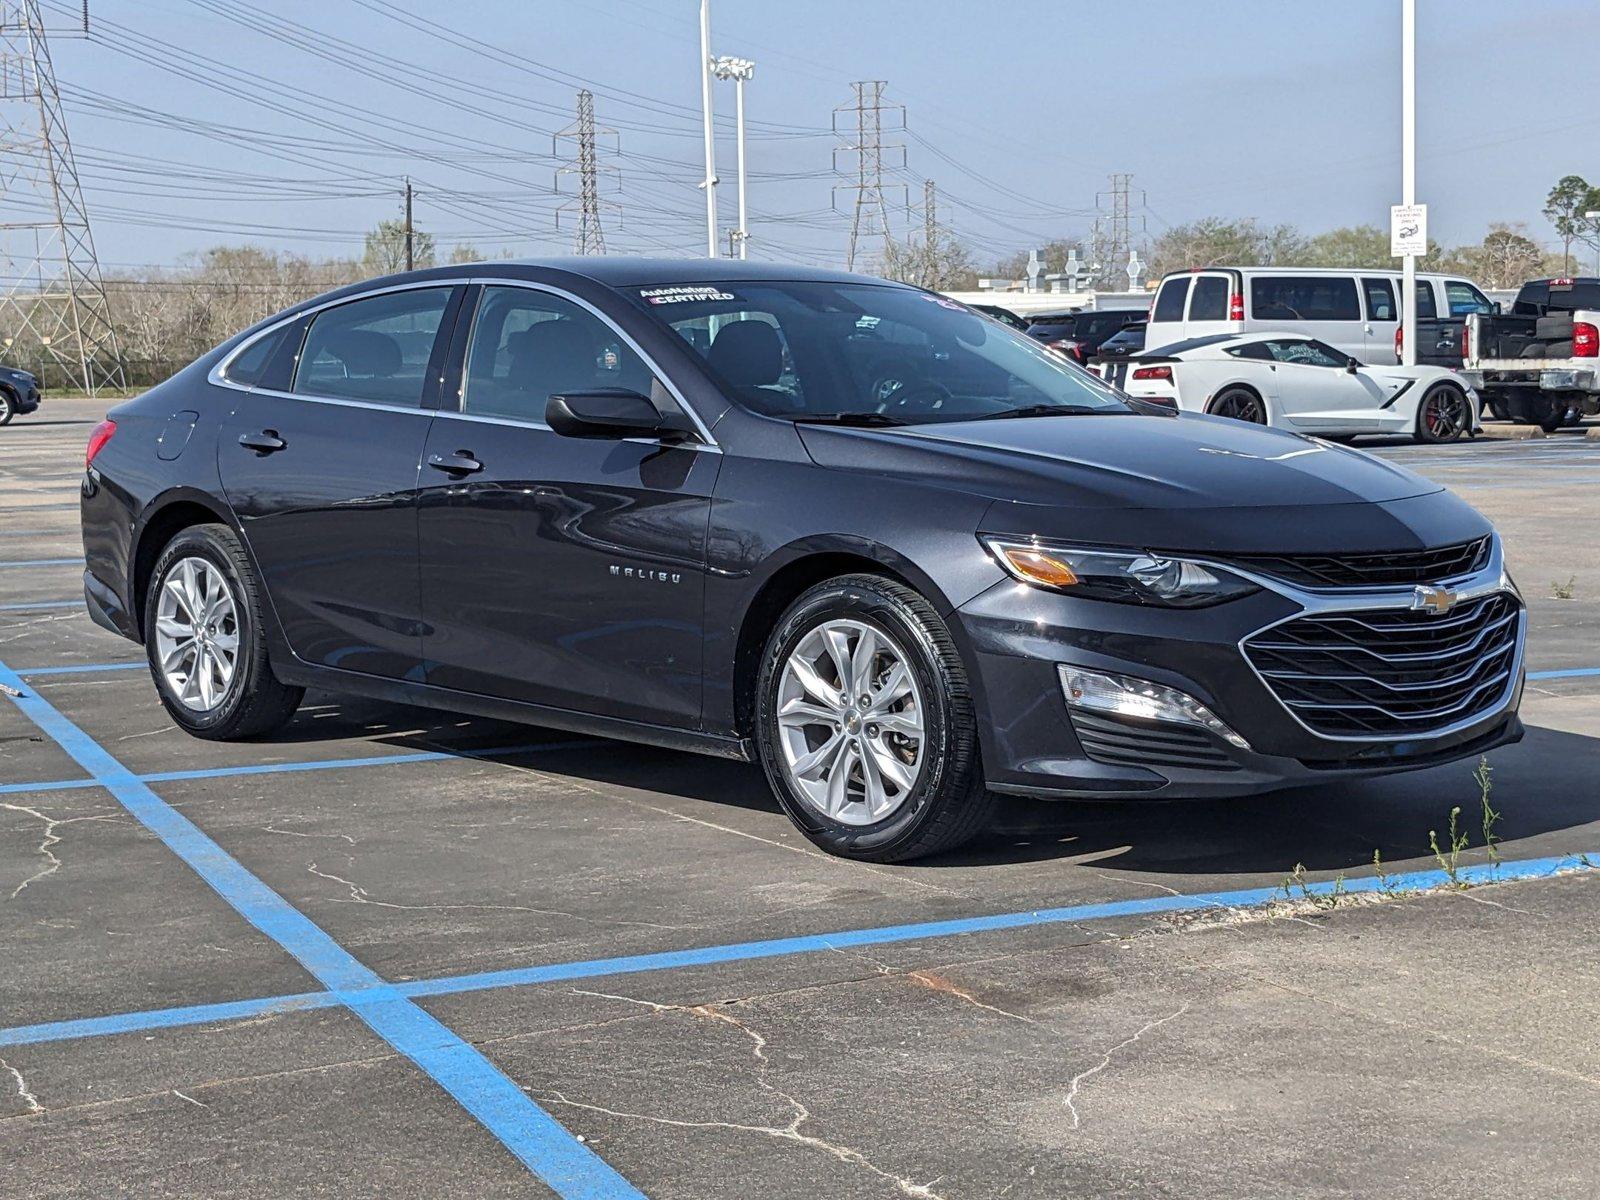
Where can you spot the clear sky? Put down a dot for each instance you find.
(290, 123)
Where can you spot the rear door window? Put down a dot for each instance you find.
(376, 349)
(1209, 300)
(1169, 301)
(1380, 300)
(1304, 298)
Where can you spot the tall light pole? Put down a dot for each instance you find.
(710, 183)
(740, 70)
(1408, 171)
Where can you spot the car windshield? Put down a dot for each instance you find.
(878, 354)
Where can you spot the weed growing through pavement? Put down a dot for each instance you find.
(1450, 863)
(1564, 591)
(1485, 777)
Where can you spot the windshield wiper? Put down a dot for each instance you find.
(1049, 410)
(848, 418)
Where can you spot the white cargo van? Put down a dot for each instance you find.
(1355, 310)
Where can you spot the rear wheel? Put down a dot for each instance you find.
(1239, 403)
(1444, 415)
(865, 725)
(205, 639)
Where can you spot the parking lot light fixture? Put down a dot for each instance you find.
(740, 71)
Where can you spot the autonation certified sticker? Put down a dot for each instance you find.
(684, 294)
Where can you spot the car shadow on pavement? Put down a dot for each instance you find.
(1542, 788)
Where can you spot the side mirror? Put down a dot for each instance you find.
(1494, 307)
(1352, 366)
(610, 413)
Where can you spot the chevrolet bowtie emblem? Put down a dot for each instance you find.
(1434, 599)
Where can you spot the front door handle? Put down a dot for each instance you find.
(265, 442)
(459, 463)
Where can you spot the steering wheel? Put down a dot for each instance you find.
(899, 396)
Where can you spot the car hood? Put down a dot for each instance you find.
(1179, 483)
(1121, 461)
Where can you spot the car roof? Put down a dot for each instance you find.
(1312, 271)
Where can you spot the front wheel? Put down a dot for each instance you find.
(206, 642)
(865, 725)
(1444, 415)
(8, 407)
(1241, 404)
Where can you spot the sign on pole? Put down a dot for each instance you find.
(1408, 230)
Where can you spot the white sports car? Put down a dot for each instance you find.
(1296, 382)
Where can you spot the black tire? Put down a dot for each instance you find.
(1445, 415)
(8, 407)
(1554, 419)
(948, 803)
(1239, 403)
(255, 702)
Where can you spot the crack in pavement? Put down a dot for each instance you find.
(1083, 1077)
(51, 838)
(800, 1114)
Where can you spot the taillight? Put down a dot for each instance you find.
(1236, 307)
(1585, 340)
(1152, 373)
(1466, 341)
(98, 438)
(1072, 349)
(1399, 343)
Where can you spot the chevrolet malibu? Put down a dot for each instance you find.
(904, 557)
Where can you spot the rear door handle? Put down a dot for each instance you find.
(459, 463)
(265, 442)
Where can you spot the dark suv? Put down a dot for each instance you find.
(1078, 335)
(896, 552)
(19, 393)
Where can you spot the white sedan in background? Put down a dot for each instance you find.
(1295, 382)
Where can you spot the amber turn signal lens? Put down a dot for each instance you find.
(1037, 566)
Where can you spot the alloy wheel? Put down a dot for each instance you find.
(850, 722)
(197, 634)
(1241, 406)
(1444, 414)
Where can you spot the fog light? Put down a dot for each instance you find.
(1125, 696)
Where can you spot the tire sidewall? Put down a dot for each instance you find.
(880, 608)
(8, 407)
(201, 543)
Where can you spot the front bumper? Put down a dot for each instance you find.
(1018, 636)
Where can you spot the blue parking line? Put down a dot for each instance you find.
(82, 669)
(43, 562)
(536, 1138)
(671, 960)
(326, 764)
(1569, 673)
(37, 605)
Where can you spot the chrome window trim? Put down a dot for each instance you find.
(218, 375)
(627, 339)
(1491, 579)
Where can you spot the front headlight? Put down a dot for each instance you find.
(1124, 576)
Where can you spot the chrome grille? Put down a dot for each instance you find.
(1372, 570)
(1391, 672)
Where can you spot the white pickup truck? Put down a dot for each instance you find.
(1539, 364)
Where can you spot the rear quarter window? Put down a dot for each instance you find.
(1304, 298)
(1209, 301)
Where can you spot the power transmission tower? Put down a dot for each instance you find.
(869, 210)
(1114, 229)
(53, 305)
(589, 238)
